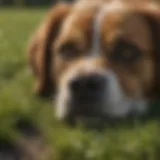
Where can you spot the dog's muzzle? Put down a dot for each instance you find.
(96, 95)
(87, 92)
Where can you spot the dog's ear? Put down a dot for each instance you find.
(40, 52)
(142, 26)
(152, 16)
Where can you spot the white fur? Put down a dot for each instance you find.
(104, 11)
(117, 103)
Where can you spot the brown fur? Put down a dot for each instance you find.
(40, 54)
(68, 23)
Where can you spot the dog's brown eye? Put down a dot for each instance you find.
(125, 52)
(68, 50)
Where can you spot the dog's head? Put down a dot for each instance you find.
(101, 58)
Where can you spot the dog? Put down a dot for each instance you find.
(98, 58)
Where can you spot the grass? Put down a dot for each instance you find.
(137, 142)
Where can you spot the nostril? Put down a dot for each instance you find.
(75, 85)
(92, 85)
(85, 84)
(95, 82)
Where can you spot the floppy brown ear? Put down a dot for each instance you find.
(150, 12)
(152, 17)
(40, 50)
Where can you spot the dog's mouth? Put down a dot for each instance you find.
(98, 118)
(98, 114)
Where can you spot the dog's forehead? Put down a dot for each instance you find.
(77, 22)
(102, 19)
(106, 22)
(116, 20)
(81, 12)
(89, 15)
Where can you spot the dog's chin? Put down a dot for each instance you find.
(97, 114)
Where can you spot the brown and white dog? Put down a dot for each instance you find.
(99, 58)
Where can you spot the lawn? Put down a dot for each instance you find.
(136, 142)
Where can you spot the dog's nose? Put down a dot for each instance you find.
(88, 84)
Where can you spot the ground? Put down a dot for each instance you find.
(17, 101)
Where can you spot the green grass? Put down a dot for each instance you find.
(137, 142)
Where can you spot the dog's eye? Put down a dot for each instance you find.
(68, 50)
(125, 52)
